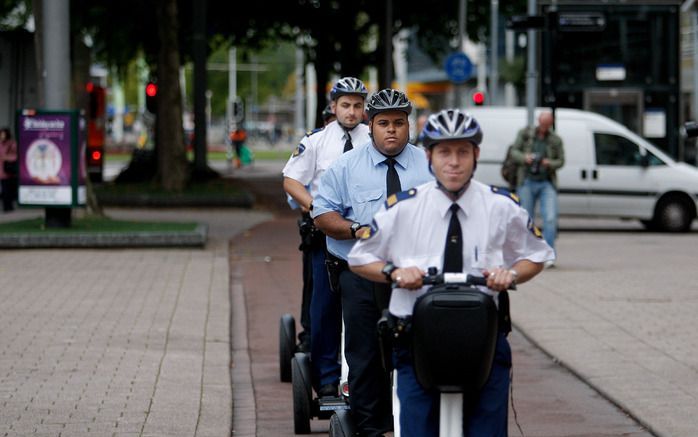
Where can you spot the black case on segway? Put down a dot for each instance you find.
(454, 334)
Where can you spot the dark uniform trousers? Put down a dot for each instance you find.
(369, 384)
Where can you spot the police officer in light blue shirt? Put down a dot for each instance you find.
(351, 190)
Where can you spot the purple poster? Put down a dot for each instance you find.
(45, 159)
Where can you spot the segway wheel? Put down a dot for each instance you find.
(302, 393)
(342, 424)
(287, 338)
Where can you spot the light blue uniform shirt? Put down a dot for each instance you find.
(355, 186)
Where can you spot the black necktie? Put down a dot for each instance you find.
(348, 145)
(453, 253)
(392, 180)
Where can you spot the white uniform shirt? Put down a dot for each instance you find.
(318, 150)
(497, 232)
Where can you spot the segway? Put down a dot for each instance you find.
(305, 406)
(453, 340)
(287, 346)
(453, 335)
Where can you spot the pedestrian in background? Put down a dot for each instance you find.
(539, 153)
(238, 138)
(9, 169)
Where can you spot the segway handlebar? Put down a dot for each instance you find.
(432, 278)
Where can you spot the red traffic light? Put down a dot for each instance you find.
(89, 87)
(478, 98)
(151, 89)
(96, 155)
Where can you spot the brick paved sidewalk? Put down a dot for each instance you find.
(119, 342)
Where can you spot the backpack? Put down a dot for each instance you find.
(510, 169)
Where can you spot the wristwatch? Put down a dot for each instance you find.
(354, 227)
(388, 270)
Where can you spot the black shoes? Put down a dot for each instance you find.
(328, 390)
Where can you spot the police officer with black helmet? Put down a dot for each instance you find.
(352, 189)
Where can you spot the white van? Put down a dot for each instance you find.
(609, 171)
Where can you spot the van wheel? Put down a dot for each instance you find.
(650, 225)
(674, 215)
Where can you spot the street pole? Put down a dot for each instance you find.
(462, 38)
(387, 79)
(199, 49)
(230, 122)
(56, 54)
(56, 75)
(494, 43)
(694, 19)
(299, 122)
(509, 89)
(531, 75)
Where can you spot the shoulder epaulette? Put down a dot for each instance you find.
(393, 199)
(314, 131)
(505, 192)
(370, 230)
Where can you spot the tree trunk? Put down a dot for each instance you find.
(323, 60)
(37, 10)
(173, 171)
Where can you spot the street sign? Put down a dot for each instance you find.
(581, 22)
(458, 67)
(526, 22)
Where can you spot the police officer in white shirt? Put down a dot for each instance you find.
(495, 237)
(302, 174)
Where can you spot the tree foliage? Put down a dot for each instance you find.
(339, 37)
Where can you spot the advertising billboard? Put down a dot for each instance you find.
(50, 169)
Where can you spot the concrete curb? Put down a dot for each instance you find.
(195, 238)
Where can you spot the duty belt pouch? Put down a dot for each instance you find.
(386, 335)
(335, 267)
(311, 237)
(305, 229)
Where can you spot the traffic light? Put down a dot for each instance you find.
(151, 93)
(478, 98)
(94, 99)
(238, 110)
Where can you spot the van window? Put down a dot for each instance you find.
(616, 150)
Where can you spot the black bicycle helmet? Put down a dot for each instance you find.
(346, 86)
(327, 113)
(451, 124)
(388, 100)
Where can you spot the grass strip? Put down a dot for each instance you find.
(94, 225)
